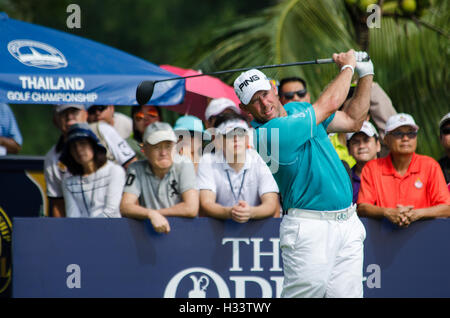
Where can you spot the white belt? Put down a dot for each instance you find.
(339, 215)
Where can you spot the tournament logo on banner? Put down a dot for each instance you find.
(37, 54)
(201, 280)
(5, 251)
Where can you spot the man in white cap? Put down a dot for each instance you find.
(54, 171)
(444, 137)
(234, 182)
(363, 146)
(218, 106)
(315, 188)
(160, 186)
(404, 186)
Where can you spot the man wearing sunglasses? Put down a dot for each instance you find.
(121, 122)
(403, 187)
(293, 89)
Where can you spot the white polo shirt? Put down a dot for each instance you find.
(249, 184)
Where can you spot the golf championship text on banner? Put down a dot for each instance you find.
(207, 258)
(35, 89)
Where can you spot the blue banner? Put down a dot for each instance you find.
(206, 257)
(45, 66)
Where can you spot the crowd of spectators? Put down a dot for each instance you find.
(106, 164)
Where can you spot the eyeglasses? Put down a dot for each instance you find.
(290, 95)
(93, 109)
(446, 131)
(400, 134)
(140, 115)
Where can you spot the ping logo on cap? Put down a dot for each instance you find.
(252, 79)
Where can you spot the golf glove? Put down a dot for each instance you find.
(363, 68)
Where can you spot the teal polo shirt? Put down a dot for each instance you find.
(309, 173)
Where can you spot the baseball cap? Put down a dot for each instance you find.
(190, 123)
(398, 120)
(230, 125)
(250, 82)
(157, 132)
(366, 128)
(218, 105)
(63, 107)
(444, 119)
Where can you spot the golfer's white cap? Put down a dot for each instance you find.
(231, 125)
(159, 131)
(250, 82)
(399, 120)
(366, 128)
(218, 105)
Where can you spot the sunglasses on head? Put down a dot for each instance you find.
(140, 115)
(290, 95)
(92, 110)
(400, 134)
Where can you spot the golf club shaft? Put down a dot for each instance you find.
(318, 61)
(144, 91)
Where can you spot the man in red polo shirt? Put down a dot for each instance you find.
(404, 186)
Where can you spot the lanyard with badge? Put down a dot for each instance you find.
(236, 198)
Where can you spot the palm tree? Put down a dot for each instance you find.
(410, 53)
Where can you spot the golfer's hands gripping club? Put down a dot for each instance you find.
(363, 68)
(343, 59)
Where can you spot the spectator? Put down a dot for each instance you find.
(363, 146)
(142, 117)
(95, 185)
(10, 136)
(223, 105)
(190, 133)
(160, 186)
(403, 187)
(293, 89)
(314, 186)
(54, 171)
(218, 106)
(444, 136)
(251, 191)
(121, 122)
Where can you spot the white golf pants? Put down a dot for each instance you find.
(322, 258)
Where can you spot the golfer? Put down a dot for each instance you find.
(321, 236)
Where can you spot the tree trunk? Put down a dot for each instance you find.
(359, 21)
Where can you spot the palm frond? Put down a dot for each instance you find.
(411, 61)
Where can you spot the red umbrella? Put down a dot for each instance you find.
(200, 91)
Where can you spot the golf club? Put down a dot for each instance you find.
(145, 89)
